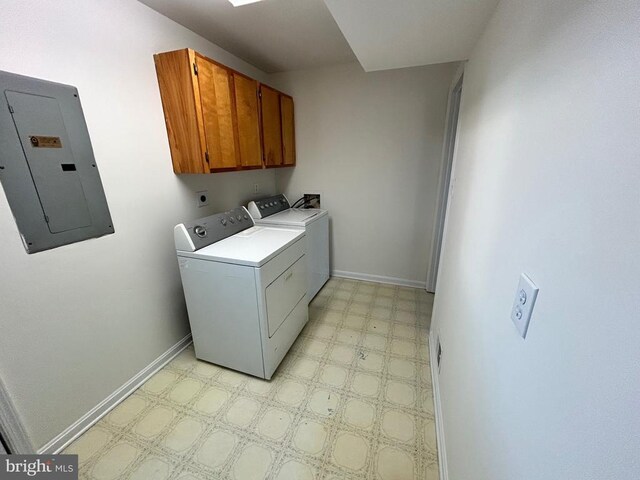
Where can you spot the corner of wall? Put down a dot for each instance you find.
(437, 404)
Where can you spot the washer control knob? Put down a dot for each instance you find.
(232, 220)
(246, 217)
(239, 217)
(223, 221)
(200, 231)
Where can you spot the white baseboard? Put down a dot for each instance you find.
(437, 404)
(96, 413)
(367, 277)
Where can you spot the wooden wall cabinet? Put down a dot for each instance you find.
(248, 113)
(278, 132)
(215, 87)
(288, 131)
(271, 126)
(219, 119)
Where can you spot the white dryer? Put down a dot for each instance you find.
(245, 288)
(277, 212)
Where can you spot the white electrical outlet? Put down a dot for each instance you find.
(203, 198)
(523, 304)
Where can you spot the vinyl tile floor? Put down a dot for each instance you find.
(351, 400)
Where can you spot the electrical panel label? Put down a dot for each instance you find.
(45, 142)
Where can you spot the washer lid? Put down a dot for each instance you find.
(297, 217)
(253, 247)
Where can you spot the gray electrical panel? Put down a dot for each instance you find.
(47, 167)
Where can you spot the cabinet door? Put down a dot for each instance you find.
(177, 81)
(215, 84)
(271, 126)
(246, 98)
(288, 131)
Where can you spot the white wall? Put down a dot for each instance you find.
(80, 320)
(547, 180)
(371, 144)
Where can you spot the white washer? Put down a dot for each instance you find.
(245, 288)
(276, 212)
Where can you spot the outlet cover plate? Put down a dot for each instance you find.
(523, 304)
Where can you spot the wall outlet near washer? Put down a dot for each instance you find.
(203, 198)
(523, 304)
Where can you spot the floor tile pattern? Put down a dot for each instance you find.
(352, 399)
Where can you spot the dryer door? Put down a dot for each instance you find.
(284, 293)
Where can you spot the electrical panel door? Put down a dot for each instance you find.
(47, 168)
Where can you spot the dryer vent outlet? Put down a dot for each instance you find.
(312, 200)
(439, 354)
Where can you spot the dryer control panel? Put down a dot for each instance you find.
(268, 206)
(200, 233)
